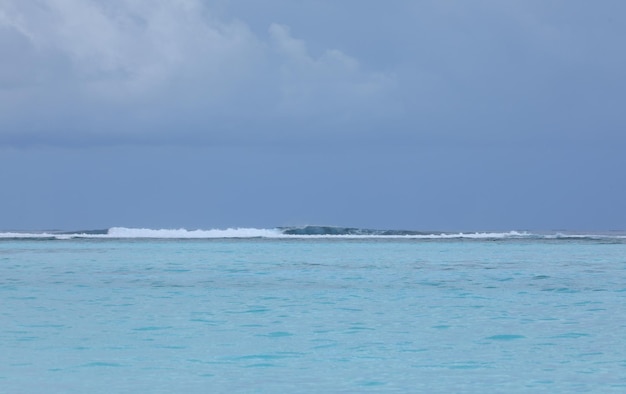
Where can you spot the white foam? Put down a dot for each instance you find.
(19, 235)
(123, 232)
(276, 233)
(491, 235)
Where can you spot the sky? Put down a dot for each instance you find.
(405, 114)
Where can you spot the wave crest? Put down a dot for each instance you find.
(303, 232)
(123, 232)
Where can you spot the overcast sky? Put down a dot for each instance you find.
(424, 115)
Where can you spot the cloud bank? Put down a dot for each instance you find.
(91, 72)
(77, 70)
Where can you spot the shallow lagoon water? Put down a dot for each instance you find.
(312, 315)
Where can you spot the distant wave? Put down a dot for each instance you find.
(296, 232)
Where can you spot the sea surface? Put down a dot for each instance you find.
(311, 309)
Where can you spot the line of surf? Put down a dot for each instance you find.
(304, 232)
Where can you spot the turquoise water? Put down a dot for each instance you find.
(312, 315)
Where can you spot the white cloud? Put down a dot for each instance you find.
(331, 83)
(131, 48)
(135, 65)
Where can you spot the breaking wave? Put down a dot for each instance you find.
(298, 233)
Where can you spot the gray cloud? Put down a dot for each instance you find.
(161, 69)
(330, 83)
(121, 49)
(91, 72)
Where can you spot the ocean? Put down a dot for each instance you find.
(313, 309)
